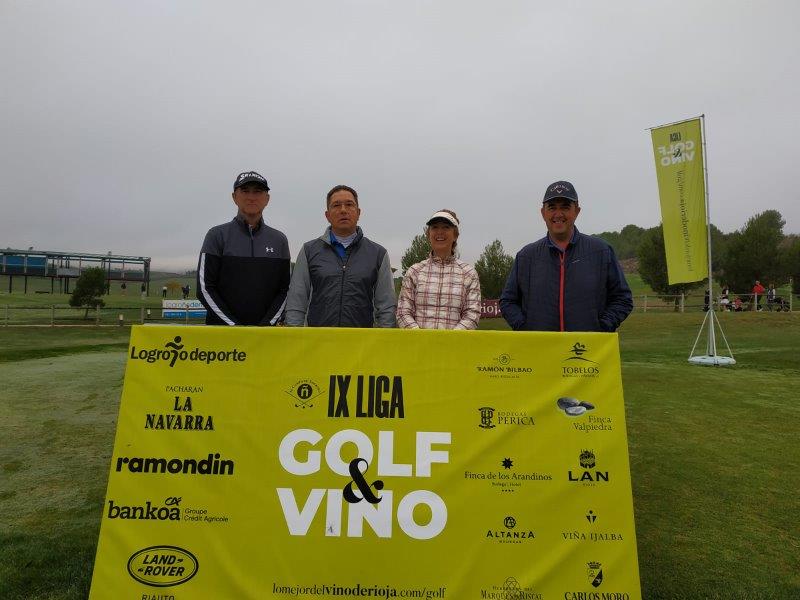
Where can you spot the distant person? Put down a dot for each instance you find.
(144, 291)
(758, 290)
(737, 304)
(724, 298)
(770, 296)
(163, 291)
(441, 292)
(706, 300)
(243, 270)
(342, 278)
(124, 288)
(566, 281)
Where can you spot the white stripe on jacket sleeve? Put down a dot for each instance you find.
(206, 295)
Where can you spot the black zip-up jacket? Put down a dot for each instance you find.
(243, 274)
(580, 289)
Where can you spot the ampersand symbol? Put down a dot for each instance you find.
(361, 483)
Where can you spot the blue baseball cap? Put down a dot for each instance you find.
(560, 189)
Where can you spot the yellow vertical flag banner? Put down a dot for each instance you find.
(678, 151)
(342, 463)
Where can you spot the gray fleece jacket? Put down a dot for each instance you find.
(329, 291)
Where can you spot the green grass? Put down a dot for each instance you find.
(59, 416)
(40, 342)
(715, 459)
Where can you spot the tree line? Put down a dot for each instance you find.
(758, 251)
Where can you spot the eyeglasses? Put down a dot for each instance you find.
(348, 205)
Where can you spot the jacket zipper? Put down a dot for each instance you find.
(561, 291)
(252, 248)
(341, 285)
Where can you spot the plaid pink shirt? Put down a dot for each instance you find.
(440, 294)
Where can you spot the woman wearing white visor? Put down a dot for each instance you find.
(441, 292)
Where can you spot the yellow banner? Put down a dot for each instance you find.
(344, 463)
(678, 151)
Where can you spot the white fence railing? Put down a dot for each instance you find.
(12, 315)
(733, 302)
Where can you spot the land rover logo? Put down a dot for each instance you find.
(162, 566)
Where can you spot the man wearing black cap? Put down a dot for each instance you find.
(243, 272)
(567, 281)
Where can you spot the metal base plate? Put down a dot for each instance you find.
(715, 361)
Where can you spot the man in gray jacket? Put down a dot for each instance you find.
(342, 279)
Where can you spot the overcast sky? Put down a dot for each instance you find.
(123, 124)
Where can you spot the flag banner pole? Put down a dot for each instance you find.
(712, 341)
(680, 153)
(674, 123)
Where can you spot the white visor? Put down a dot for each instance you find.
(443, 215)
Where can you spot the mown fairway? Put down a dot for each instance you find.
(714, 456)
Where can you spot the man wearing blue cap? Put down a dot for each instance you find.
(566, 281)
(243, 271)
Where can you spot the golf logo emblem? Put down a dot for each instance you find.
(162, 566)
(303, 392)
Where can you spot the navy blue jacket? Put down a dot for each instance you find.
(580, 289)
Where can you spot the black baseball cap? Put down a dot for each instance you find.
(250, 177)
(560, 189)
